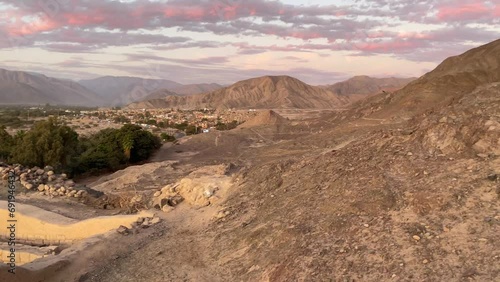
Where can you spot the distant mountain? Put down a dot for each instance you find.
(192, 89)
(453, 78)
(121, 90)
(159, 94)
(260, 93)
(185, 90)
(17, 87)
(360, 87)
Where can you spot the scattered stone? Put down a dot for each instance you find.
(28, 186)
(416, 237)
(175, 200)
(155, 220)
(167, 208)
(209, 192)
(493, 177)
(425, 261)
(160, 203)
(123, 230)
(366, 225)
(41, 187)
(146, 223)
(50, 173)
(409, 154)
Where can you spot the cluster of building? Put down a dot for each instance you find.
(172, 121)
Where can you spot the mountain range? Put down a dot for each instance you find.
(17, 87)
(259, 93)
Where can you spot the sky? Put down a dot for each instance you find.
(223, 41)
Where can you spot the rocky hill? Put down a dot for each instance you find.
(359, 87)
(260, 93)
(453, 78)
(17, 87)
(265, 118)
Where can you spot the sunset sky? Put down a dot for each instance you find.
(223, 41)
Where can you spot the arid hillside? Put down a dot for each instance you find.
(453, 78)
(259, 93)
(359, 87)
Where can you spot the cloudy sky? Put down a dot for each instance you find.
(223, 41)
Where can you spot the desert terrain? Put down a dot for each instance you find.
(400, 186)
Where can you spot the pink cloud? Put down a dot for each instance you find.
(390, 46)
(188, 13)
(463, 12)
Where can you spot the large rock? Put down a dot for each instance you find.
(196, 192)
(160, 203)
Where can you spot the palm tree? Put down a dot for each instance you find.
(128, 145)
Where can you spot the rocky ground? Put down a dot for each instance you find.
(414, 200)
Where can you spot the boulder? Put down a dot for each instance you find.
(123, 230)
(167, 208)
(155, 220)
(160, 203)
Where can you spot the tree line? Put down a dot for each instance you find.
(50, 142)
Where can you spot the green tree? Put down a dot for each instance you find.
(128, 145)
(167, 138)
(191, 130)
(6, 143)
(47, 143)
